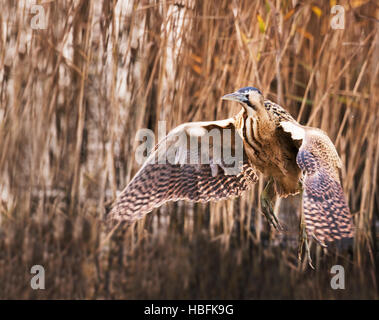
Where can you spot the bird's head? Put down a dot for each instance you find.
(251, 98)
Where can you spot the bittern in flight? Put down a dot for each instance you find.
(295, 158)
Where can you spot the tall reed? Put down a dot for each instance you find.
(73, 95)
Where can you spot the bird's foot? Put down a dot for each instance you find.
(269, 212)
(303, 241)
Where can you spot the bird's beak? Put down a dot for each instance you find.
(235, 96)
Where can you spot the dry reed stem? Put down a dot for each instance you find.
(73, 96)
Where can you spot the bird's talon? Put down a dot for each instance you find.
(266, 201)
(303, 239)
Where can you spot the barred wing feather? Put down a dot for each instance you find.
(179, 178)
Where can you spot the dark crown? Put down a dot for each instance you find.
(248, 89)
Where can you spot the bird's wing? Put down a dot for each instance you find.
(180, 175)
(326, 212)
(278, 112)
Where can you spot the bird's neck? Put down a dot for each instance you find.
(254, 126)
(261, 123)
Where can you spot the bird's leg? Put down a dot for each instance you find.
(267, 197)
(303, 240)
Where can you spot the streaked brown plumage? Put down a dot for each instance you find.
(294, 156)
(326, 212)
(155, 184)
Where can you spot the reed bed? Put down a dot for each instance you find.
(74, 94)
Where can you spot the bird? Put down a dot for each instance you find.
(296, 159)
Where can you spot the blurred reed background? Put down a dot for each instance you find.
(73, 96)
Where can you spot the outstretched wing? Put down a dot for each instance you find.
(200, 161)
(326, 212)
